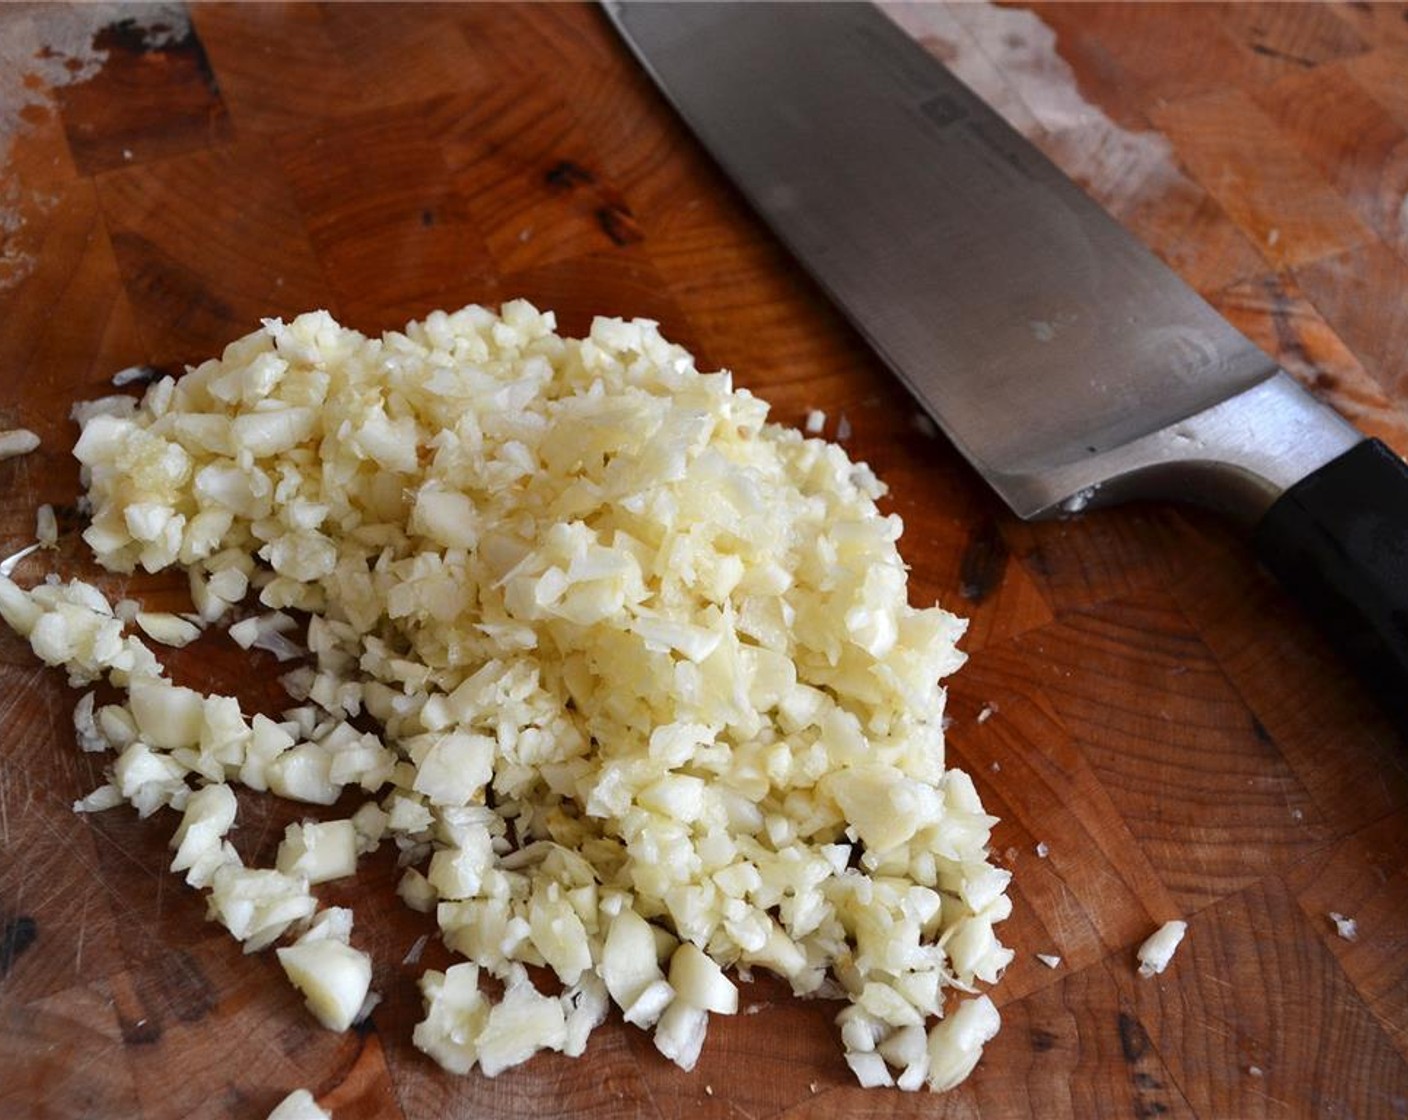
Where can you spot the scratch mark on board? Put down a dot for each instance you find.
(82, 936)
(1264, 1095)
(4, 809)
(645, 1084)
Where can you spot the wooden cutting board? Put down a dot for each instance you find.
(1161, 732)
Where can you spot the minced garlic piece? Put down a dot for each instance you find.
(333, 976)
(17, 441)
(1347, 928)
(46, 527)
(1158, 950)
(299, 1105)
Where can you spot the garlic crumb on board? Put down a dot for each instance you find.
(299, 1105)
(46, 527)
(133, 375)
(1156, 952)
(167, 628)
(1346, 928)
(17, 441)
(413, 954)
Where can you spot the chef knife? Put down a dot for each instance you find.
(1065, 361)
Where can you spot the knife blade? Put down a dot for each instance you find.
(1066, 362)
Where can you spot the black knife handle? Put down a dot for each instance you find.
(1338, 539)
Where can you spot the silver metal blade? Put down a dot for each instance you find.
(1041, 336)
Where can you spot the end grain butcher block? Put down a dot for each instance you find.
(1162, 734)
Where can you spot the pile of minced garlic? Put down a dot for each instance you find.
(649, 701)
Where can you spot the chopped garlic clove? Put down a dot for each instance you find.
(1158, 950)
(332, 923)
(103, 798)
(333, 977)
(679, 1035)
(870, 1070)
(645, 1010)
(860, 1030)
(168, 629)
(1347, 928)
(585, 1005)
(299, 1105)
(456, 1014)
(17, 441)
(267, 742)
(200, 851)
(258, 905)
(85, 726)
(167, 716)
(700, 982)
(628, 963)
(956, 1042)
(148, 778)
(523, 1023)
(318, 851)
(907, 1048)
(267, 632)
(19, 611)
(416, 892)
(303, 773)
(557, 932)
(370, 822)
(46, 527)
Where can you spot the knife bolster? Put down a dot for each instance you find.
(1238, 456)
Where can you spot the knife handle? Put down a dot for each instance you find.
(1338, 540)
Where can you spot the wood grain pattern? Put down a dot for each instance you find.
(1263, 182)
(1273, 312)
(172, 103)
(255, 252)
(1141, 700)
(1347, 288)
(1364, 157)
